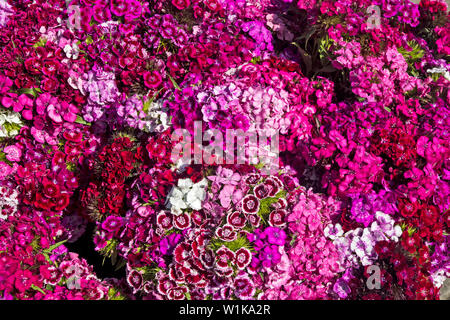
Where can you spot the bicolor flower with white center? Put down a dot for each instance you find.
(386, 224)
(8, 202)
(333, 231)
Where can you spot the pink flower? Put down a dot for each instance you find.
(225, 195)
(5, 170)
(13, 153)
(24, 280)
(244, 288)
(306, 4)
(112, 223)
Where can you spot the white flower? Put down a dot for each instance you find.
(187, 195)
(9, 123)
(185, 184)
(72, 51)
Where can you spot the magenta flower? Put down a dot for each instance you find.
(275, 236)
(269, 256)
(119, 7)
(152, 79)
(112, 223)
(168, 243)
(58, 112)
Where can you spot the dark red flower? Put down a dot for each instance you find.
(226, 233)
(164, 285)
(254, 220)
(51, 190)
(207, 258)
(182, 221)
(280, 204)
(277, 218)
(74, 136)
(223, 257)
(429, 214)
(164, 220)
(152, 79)
(62, 202)
(261, 191)
(252, 178)
(42, 202)
(272, 186)
(236, 219)
(135, 279)
(243, 258)
(198, 218)
(177, 293)
(407, 209)
(181, 252)
(250, 204)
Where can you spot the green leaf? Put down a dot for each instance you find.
(32, 91)
(255, 60)
(148, 103)
(114, 294)
(121, 264)
(47, 257)
(240, 242)
(37, 289)
(80, 120)
(53, 247)
(41, 43)
(89, 40)
(173, 82)
(114, 257)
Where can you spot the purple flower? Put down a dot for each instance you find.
(270, 256)
(275, 236)
(169, 243)
(341, 288)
